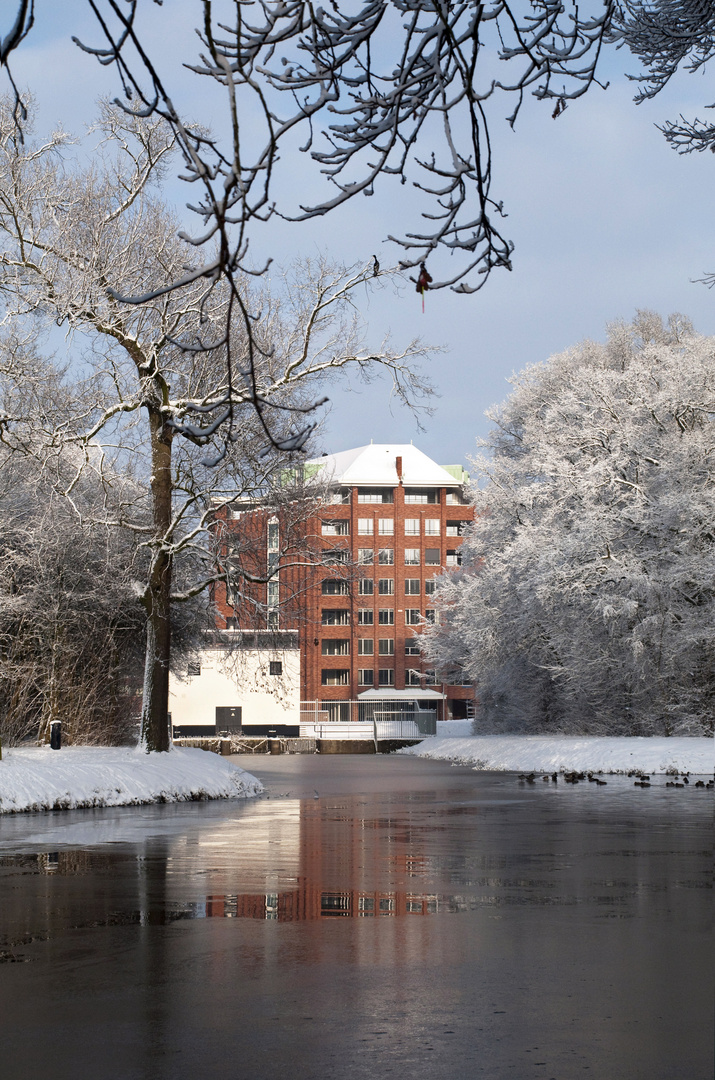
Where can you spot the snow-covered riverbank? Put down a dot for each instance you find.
(546, 753)
(37, 778)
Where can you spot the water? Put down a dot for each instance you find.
(368, 917)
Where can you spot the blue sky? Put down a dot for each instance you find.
(605, 217)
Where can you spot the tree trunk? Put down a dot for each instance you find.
(155, 708)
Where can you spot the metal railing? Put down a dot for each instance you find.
(367, 720)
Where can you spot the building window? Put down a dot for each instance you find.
(273, 536)
(335, 677)
(273, 560)
(432, 556)
(412, 677)
(232, 623)
(335, 587)
(412, 556)
(335, 647)
(335, 528)
(375, 495)
(386, 526)
(412, 617)
(272, 620)
(193, 668)
(386, 646)
(333, 617)
(430, 615)
(386, 677)
(412, 586)
(275, 667)
(454, 558)
(386, 617)
(432, 526)
(366, 646)
(430, 678)
(386, 586)
(456, 528)
(412, 526)
(454, 498)
(336, 555)
(273, 593)
(421, 495)
(430, 586)
(365, 556)
(386, 557)
(366, 617)
(366, 587)
(412, 647)
(364, 526)
(366, 677)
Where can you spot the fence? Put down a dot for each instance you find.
(367, 720)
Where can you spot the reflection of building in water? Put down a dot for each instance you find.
(309, 901)
(304, 860)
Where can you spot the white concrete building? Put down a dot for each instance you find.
(248, 684)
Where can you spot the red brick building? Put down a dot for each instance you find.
(386, 523)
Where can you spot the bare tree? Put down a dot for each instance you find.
(210, 407)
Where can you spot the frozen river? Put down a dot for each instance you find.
(366, 918)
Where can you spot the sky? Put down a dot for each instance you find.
(605, 217)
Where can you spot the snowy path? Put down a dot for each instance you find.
(545, 753)
(38, 778)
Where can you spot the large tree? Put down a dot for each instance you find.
(586, 602)
(202, 405)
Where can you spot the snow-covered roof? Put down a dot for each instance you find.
(376, 466)
(386, 693)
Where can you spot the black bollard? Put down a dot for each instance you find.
(56, 734)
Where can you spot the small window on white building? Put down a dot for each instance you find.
(193, 669)
(275, 667)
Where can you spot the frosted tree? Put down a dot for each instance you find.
(586, 601)
(203, 407)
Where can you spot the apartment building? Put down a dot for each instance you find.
(384, 522)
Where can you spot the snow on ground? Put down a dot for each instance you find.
(547, 753)
(38, 778)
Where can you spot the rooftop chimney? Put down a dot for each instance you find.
(398, 468)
